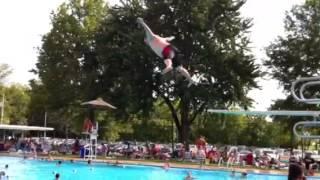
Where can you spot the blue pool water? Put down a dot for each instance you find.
(43, 170)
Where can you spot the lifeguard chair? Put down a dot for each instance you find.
(91, 137)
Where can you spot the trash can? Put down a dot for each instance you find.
(82, 152)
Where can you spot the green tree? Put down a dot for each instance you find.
(221, 129)
(66, 67)
(287, 122)
(213, 39)
(16, 103)
(64, 120)
(259, 132)
(157, 128)
(38, 103)
(240, 130)
(296, 54)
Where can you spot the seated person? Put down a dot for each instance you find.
(76, 146)
(274, 163)
(265, 159)
(212, 155)
(312, 170)
(308, 161)
(249, 159)
(232, 157)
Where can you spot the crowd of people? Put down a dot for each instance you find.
(302, 167)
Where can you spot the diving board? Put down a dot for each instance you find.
(266, 113)
(24, 128)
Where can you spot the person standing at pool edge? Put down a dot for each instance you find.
(162, 47)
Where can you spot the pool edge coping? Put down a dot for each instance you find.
(160, 165)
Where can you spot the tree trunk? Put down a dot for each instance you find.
(91, 114)
(185, 122)
(184, 131)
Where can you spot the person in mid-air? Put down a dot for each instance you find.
(162, 47)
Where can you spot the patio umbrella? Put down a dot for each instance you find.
(99, 103)
(92, 105)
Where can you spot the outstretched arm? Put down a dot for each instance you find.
(149, 34)
(170, 38)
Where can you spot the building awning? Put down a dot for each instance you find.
(24, 128)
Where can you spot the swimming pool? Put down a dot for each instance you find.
(42, 170)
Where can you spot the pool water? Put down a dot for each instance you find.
(43, 170)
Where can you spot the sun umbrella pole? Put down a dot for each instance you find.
(91, 115)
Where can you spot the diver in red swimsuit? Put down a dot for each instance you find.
(162, 47)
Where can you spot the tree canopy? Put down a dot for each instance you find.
(97, 51)
(65, 65)
(296, 54)
(16, 101)
(212, 37)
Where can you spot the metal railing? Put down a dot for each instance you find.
(306, 82)
(300, 86)
(306, 124)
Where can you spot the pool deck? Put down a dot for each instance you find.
(157, 163)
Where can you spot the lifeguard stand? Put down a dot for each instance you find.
(91, 131)
(90, 147)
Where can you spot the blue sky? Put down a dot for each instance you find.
(24, 22)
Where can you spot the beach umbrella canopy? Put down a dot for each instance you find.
(99, 103)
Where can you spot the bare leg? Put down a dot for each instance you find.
(149, 34)
(186, 74)
(168, 68)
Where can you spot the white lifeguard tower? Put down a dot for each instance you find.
(91, 135)
(90, 147)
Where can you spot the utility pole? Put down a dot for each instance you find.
(2, 108)
(45, 124)
(172, 135)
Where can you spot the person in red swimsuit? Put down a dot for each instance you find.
(87, 125)
(162, 47)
